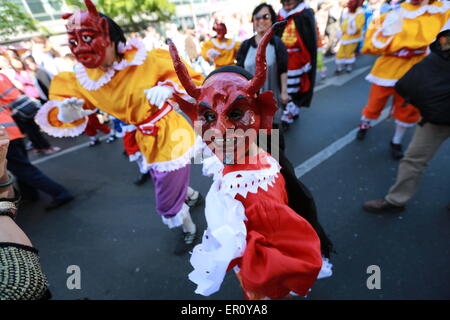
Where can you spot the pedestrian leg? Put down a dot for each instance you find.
(30, 175)
(426, 141)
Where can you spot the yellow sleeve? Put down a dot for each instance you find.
(205, 47)
(360, 20)
(374, 27)
(167, 74)
(63, 86)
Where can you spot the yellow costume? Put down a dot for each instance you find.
(220, 53)
(419, 28)
(120, 92)
(351, 29)
(401, 37)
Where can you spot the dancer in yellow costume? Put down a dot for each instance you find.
(351, 28)
(401, 37)
(220, 50)
(134, 86)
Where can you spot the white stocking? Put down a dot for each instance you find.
(399, 133)
(188, 224)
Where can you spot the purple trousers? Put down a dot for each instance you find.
(170, 190)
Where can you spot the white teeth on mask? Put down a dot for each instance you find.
(226, 140)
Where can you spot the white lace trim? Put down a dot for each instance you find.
(225, 238)
(92, 85)
(223, 45)
(346, 61)
(326, 270)
(429, 8)
(344, 42)
(41, 119)
(285, 14)
(408, 14)
(379, 44)
(243, 182)
(351, 25)
(380, 81)
(165, 166)
(177, 220)
(404, 124)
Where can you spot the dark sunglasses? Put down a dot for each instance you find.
(262, 16)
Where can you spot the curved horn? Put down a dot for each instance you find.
(91, 8)
(182, 72)
(66, 16)
(261, 65)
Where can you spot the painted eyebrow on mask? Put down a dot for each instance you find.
(204, 104)
(240, 97)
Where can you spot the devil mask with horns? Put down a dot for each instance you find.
(88, 35)
(228, 105)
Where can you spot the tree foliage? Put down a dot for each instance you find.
(134, 13)
(13, 20)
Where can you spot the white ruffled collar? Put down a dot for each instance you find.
(92, 85)
(429, 8)
(244, 181)
(223, 45)
(286, 14)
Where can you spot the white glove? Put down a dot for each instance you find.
(212, 54)
(158, 95)
(393, 23)
(72, 109)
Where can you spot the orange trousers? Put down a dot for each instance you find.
(379, 95)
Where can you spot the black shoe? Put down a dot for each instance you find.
(381, 206)
(143, 178)
(195, 202)
(284, 126)
(93, 143)
(396, 151)
(186, 243)
(56, 203)
(361, 134)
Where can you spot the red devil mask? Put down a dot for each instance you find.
(88, 35)
(228, 105)
(353, 5)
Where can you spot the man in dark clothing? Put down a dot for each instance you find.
(29, 178)
(432, 98)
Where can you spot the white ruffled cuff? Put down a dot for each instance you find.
(41, 119)
(177, 220)
(223, 241)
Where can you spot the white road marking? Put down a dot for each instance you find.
(333, 148)
(342, 79)
(65, 151)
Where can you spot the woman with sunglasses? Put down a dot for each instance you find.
(263, 18)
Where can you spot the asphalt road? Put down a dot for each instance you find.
(123, 250)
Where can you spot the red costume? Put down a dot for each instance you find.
(251, 228)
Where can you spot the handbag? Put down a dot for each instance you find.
(24, 108)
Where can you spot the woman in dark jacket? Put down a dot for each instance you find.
(276, 55)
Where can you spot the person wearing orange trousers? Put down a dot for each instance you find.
(401, 37)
